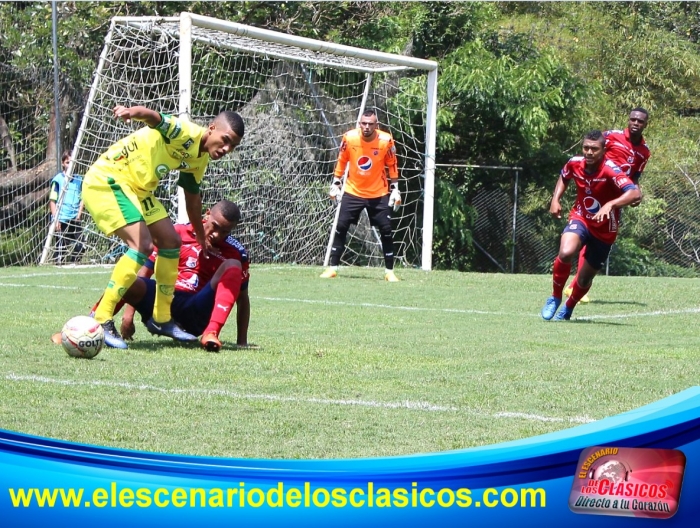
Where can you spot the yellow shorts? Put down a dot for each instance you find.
(114, 205)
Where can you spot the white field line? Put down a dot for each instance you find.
(410, 405)
(326, 302)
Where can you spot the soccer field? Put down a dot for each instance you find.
(351, 367)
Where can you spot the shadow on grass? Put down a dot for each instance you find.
(593, 321)
(629, 303)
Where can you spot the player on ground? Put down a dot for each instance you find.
(118, 193)
(628, 150)
(602, 189)
(368, 153)
(206, 288)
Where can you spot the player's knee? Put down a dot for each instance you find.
(566, 256)
(172, 241)
(145, 247)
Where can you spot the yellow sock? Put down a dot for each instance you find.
(166, 275)
(123, 276)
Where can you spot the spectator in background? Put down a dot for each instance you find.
(68, 230)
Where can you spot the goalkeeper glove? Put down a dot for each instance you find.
(395, 196)
(336, 190)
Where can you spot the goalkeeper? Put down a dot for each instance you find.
(370, 156)
(118, 192)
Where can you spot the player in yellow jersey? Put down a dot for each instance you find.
(372, 184)
(118, 193)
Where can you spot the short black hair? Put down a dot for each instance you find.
(66, 155)
(640, 109)
(369, 112)
(229, 210)
(595, 135)
(234, 120)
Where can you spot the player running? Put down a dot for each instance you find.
(602, 190)
(628, 150)
(118, 192)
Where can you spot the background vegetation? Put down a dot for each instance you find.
(520, 82)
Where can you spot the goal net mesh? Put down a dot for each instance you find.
(296, 105)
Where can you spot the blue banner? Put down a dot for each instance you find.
(528, 482)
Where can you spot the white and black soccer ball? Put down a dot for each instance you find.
(82, 337)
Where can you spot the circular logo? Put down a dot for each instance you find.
(162, 170)
(591, 204)
(364, 163)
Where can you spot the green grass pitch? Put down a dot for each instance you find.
(349, 367)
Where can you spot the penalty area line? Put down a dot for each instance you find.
(407, 404)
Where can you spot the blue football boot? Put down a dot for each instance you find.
(550, 307)
(112, 337)
(169, 329)
(564, 313)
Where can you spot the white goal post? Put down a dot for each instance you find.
(297, 97)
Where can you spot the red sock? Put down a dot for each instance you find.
(576, 295)
(560, 273)
(581, 259)
(226, 292)
(119, 306)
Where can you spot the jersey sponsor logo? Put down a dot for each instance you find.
(162, 170)
(364, 163)
(191, 262)
(132, 146)
(591, 205)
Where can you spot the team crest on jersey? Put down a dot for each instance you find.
(376, 153)
(588, 190)
(364, 163)
(187, 144)
(591, 205)
(191, 262)
(162, 170)
(184, 165)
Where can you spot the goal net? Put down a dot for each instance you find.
(297, 97)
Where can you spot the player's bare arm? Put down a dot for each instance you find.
(138, 113)
(627, 198)
(193, 204)
(555, 206)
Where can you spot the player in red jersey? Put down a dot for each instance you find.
(206, 288)
(602, 190)
(628, 150)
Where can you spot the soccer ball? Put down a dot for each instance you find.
(82, 337)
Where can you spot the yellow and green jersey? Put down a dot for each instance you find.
(142, 158)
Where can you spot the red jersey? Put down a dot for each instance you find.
(367, 162)
(194, 273)
(629, 157)
(595, 190)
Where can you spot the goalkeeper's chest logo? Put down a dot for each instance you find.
(364, 163)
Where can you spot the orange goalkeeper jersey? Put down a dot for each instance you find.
(368, 163)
